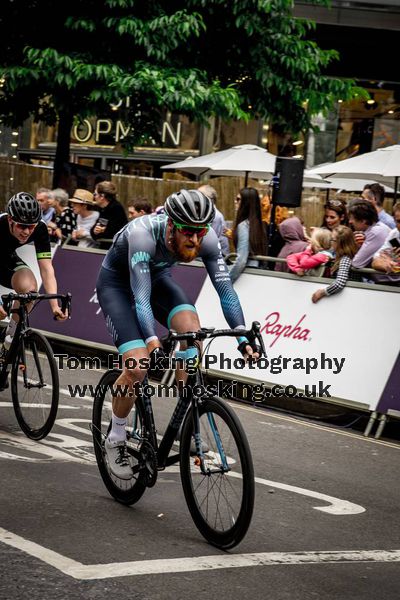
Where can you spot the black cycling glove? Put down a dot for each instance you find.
(255, 347)
(159, 362)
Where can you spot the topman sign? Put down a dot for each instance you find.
(118, 130)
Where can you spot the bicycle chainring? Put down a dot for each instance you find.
(148, 463)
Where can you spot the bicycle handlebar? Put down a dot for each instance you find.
(254, 333)
(24, 299)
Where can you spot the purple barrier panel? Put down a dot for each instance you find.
(391, 394)
(76, 272)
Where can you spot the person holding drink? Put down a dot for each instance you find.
(387, 258)
(112, 217)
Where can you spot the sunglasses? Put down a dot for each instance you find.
(190, 230)
(25, 226)
(334, 203)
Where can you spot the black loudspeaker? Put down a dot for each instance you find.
(288, 181)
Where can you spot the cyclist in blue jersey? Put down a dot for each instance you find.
(135, 287)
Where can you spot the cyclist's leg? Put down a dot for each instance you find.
(116, 301)
(21, 279)
(173, 309)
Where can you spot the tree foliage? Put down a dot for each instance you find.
(238, 60)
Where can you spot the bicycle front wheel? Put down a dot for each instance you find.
(124, 491)
(220, 497)
(35, 385)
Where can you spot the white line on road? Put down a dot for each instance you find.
(78, 570)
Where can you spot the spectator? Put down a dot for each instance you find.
(387, 258)
(82, 204)
(318, 254)
(292, 233)
(218, 223)
(375, 193)
(363, 219)
(345, 249)
(65, 219)
(335, 214)
(43, 196)
(112, 217)
(249, 234)
(138, 208)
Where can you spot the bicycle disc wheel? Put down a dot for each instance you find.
(123, 490)
(35, 385)
(221, 500)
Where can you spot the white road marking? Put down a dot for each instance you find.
(337, 506)
(78, 570)
(68, 448)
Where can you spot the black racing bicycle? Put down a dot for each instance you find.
(217, 476)
(34, 373)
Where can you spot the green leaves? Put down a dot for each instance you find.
(195, 57)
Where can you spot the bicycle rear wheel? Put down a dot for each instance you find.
(221, 500)
(123, 490)
(35, 385)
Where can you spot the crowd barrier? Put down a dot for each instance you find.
(343, 350)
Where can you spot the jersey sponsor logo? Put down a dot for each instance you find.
(139, 257)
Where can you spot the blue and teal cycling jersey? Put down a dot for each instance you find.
(139, 252)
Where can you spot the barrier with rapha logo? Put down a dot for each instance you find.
(344, 348)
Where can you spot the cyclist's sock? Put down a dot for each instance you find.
(7, 342)
(118, 431)
(11, 327)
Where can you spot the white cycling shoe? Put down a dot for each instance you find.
(118, 459)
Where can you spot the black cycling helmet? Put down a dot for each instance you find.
(190, 207)
(24, 208)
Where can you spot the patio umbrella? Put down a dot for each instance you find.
(353, 185)
(245, 161)
(381, 165)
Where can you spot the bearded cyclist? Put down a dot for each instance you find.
(135, 287)
(20, 225)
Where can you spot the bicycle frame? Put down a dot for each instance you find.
(164, 448)
(23, 326)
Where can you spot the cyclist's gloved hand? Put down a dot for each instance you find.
(249, 350)
(158, 363)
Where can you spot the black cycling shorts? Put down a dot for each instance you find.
(11, 264)
(117, 303)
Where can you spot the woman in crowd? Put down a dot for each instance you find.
(318, 254)
(345, 249)
(335, 214)
(292, 232)
(249, 232)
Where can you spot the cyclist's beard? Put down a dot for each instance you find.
(185, 249)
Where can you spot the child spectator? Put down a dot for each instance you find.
(345, 249)
(317, 254)
(292, 233)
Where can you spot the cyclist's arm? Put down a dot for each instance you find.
(50, 285)
(43, 255)
(141, 251)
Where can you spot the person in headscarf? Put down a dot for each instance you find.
(292, 232)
